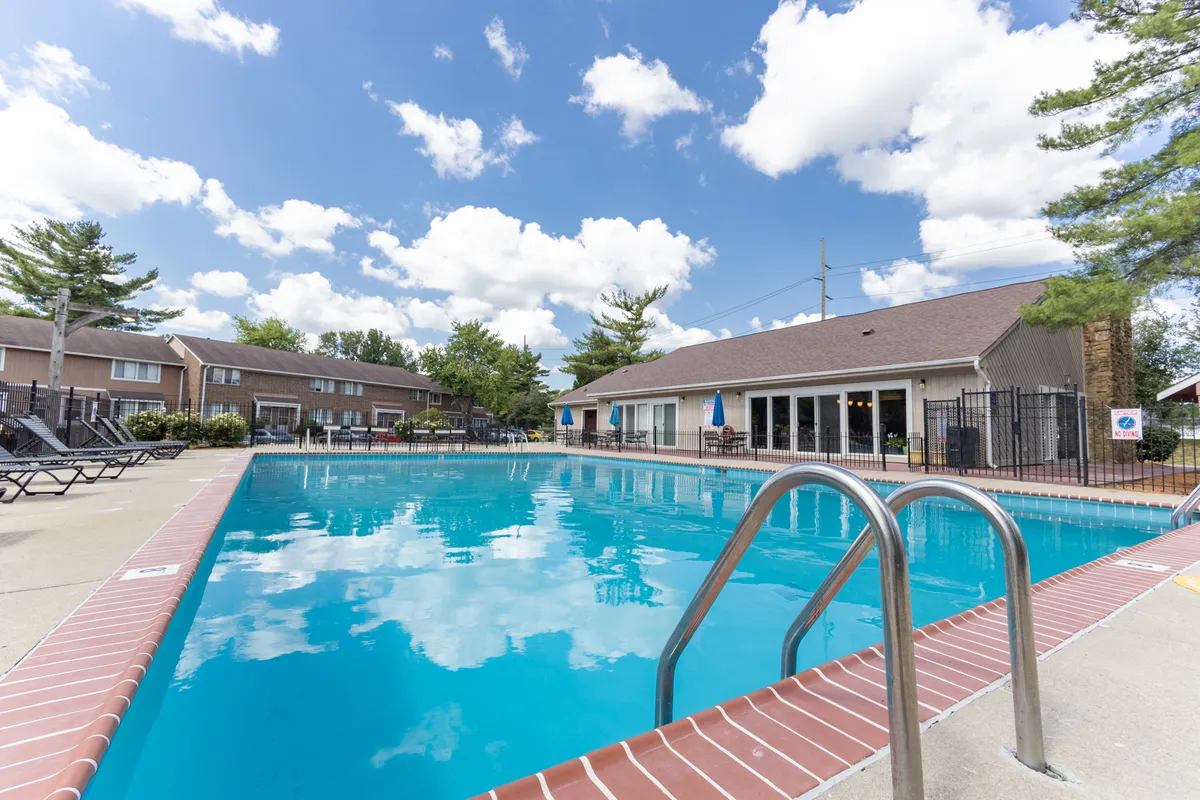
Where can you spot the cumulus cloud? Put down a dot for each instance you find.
(277, 230)
(512, 54)
(905, 281)
(639, 91)
(533, 326)
(55, 72)
(443, 52)
(455, 146)
(205, 21)
(668, 335)
(193, 320)
(946, 122)
(311, 303)
(802, 318)
(222, 284)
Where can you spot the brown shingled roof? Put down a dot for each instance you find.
(961, 326)
(264, 359)
(36, 334)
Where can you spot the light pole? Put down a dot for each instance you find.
(62, 329)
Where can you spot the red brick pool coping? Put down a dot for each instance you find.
(61, 704)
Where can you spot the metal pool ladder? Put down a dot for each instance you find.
(899, 661)
(1183, 513)
(903, 721)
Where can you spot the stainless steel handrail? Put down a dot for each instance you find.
(1185, 509)
(903, 722)
(1018, 601)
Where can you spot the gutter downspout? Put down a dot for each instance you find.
(203, 387)
(987, 388)
(179, 399)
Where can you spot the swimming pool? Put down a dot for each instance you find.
(429, 627)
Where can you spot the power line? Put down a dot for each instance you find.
(929, 256)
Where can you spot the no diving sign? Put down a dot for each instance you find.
(1127, 423)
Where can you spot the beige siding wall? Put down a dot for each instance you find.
(1030, 356)
(23, 366)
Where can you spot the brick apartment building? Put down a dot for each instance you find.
(139, 370)
(285, 388)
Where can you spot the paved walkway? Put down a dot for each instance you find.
(54, 551)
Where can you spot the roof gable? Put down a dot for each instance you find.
(37, 334)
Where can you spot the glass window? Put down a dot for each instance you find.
(1, 358)
(224, 375)
(456, 422)
(352, 417)
(758, 421)
(829, 423)
(893, 417)
(135, 371)
(416, 394)
(321, 416)
(435, 398)
(352, 388)
(479, 422)
(212, 409)
(860, 416)
(324, 385)
(127, 407)
(781, 423)
(806, 424)
(664, 424)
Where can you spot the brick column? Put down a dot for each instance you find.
(1108, 381)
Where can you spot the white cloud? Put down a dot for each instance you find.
(277, 230)
(309, 302)
(742, 67)
(206, 22)
(640, 92)
(443, 52)
(512, 55)
(222, 284)
(946, 122)
(535, 326)
(485, 254)
(54, 72)
(192, 320)
(456, 145)
(800, 319)
(369, 88)
(905, 282)
(668, 335)
(431, 210)
(685, 141)
(53, 167)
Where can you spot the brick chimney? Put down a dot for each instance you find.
(1108, 362)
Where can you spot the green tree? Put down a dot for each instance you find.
(271, 332)
(1163, 352)
(615, 340)
(469, 365)
(371, 347)
(38, 260)
(1138, 229)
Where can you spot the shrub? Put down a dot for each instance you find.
(431, 418)
(403, 428)
(225, 430)
(1158, 443)
(177, 427)
(149, 426)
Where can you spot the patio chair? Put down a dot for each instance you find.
(46, 436)
(100, 439)
(732, 441)
(106, 463)
(713, 441)
(118, 433)
(636, 438)
(20, 474)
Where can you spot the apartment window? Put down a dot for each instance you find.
(435, 398)
(352, 418)
(130, 407)
(352, 388)
(321, 385)
(135, 371)
(456, 422)
(416, 394)
(225, 375)
(212, 409)
(479, 422)
(1, 358)
(321, 416)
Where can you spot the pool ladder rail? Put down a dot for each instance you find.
(883, 531)
(1182, 515)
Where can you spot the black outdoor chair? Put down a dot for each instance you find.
(19, 473)
(105, 463)
(46, 437)
(119, 433)
(100, 439)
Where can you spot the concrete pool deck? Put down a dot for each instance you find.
(35, 533)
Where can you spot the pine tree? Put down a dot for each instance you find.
(38, 260)
(615, 340)
(1137, 231)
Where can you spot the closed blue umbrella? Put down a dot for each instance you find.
(614, 418)
(718, 411)
(567, 419)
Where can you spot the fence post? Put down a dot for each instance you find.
(70, 406)
(370, 438)
(307, 439)
(826, 437)
(882, 447)
(1078, 459)
(654, 433)
(33, 397)
(962, 427)
(189, 422)
(754, 440)
(1017, 433)
(700, 443)
(1084, 456)
(928, 442)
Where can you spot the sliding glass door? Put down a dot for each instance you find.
(664, 424)
(829, 423)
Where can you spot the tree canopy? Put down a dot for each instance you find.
(1163, 352)
(615, 339)
(38, 260)
(372, 346)
(1136, 231)
(271, 332)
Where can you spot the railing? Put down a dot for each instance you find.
(1183, 512)
(899, 660)
(1018, 603)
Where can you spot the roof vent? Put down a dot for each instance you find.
(868, 331)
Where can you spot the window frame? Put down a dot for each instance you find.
(357, 386)
(113, 371)
(232, 376)
(323, 383)
(3, 353)
(433, 402)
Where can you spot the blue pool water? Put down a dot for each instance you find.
(431, 627)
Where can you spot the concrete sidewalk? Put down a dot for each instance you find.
(55, 550)
(1120, 713)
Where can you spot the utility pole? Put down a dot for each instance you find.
(62, 329)
(822, 278)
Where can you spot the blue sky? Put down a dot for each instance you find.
(238, 147)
